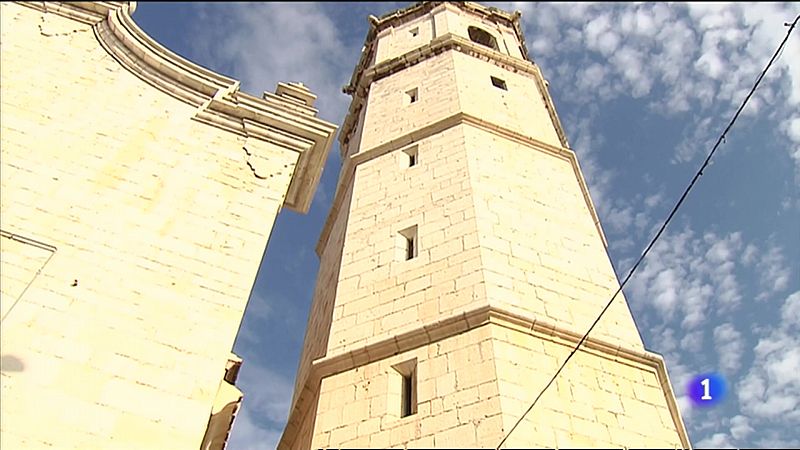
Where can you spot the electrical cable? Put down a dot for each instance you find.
(660, 231)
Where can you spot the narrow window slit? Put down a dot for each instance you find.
(408, 390)
(409, 248)
(412, 96)
(499, 83)
(409, 243)
(406, 379)
(412, 155)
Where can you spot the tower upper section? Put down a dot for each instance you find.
(417, 41)
(412, 28)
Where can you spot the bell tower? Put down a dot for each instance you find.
(463, 259)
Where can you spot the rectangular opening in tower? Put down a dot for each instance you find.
(409, 242)
(412, 155)
(407, 379)
(412, 96)
(499, 83)
(407, 396)
(409, 248)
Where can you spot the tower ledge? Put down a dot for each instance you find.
(460, 323)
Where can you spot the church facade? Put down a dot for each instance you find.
(137, 194)
(463, 260)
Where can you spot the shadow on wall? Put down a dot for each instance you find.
(10, 363)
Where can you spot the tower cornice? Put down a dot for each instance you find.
(286, 118)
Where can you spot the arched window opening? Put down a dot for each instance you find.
(482, 37)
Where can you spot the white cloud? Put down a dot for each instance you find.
(267, 43)
(692, 340)
(717, 440)
(696, 141)
(776, 439)
(790, 312)
(654, 200)
(591, 77)
(685, 405)
(705, 56)
(267, 397)
(774, 273)
(749, 255)
(770, 392)
(689, 276)
(711, 64)
(248, 435)
(791, 127)
(730, 347)
(268, 394)
(740, 427)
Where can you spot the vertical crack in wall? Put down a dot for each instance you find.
(253, 169)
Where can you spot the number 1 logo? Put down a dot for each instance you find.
(706, 389)
(706, 383)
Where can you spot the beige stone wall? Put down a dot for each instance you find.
(396, 41)
(380, 293)
(119, 335)
(541, 254)
(390, 115)
(458, 401)
(599, 400)
(520, 109)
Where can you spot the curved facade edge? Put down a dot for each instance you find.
(218, 98)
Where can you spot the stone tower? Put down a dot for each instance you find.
(463, 259)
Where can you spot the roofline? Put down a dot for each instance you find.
(286, 118)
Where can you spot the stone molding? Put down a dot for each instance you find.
(286, 119)
(350, 163)
(460, 323)
(85, 12)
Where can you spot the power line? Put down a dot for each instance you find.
(661, 230)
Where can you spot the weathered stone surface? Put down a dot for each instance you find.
(133, 224)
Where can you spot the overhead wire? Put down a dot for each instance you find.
(697, 175)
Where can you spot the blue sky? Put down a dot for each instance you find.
(643, 91)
